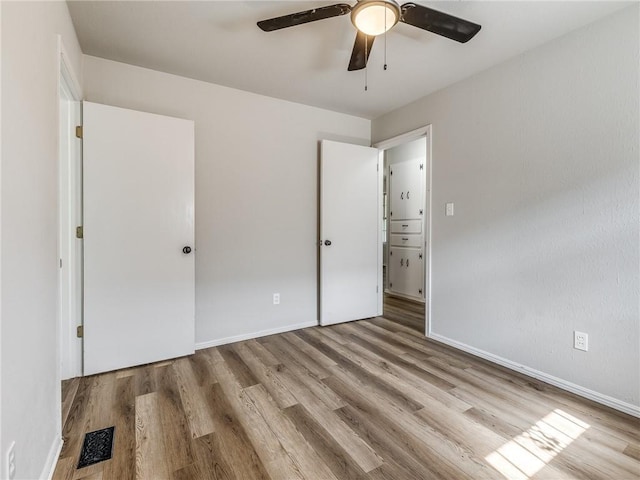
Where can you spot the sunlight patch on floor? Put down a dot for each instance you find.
(531, 451)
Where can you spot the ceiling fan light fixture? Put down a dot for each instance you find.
(375, 17)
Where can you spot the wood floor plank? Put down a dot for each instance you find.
(175, 427)
(65, 468)
(455, 459)
(287, 350)
(74, 428)
(150, 451)
(342, 435)
(405, 312)
(295, 375)
(267, 377)
(359, 377)
(69, 390)
(123, 464)
(145, 380)
(290, 438)
(633, 451)
(193, 397)
(262, 353)
(274, 457)
(333, 455)
(311, 352)
(402, 460)
(212, 463)
(92, 476)
(403, 452)
(230, 446)
(416, 383)
(240, 369)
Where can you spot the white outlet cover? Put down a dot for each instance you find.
(581, 341)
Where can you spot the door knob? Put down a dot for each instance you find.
(327, 242)
(186, 250)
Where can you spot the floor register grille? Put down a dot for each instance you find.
(97, 447)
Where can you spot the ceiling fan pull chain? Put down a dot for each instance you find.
(366, 61)
(385, 38)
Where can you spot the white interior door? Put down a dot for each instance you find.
(138, 217)
(350, 255)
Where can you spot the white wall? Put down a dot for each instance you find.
(29, 368)
(540, 155)
(256, 193)
(407, 151)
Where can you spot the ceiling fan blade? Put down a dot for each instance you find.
(361, 51)
(307, 16)
(438, 22)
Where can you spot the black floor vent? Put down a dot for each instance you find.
(97, 447)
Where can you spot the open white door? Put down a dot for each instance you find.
(349, 235)
(138, 218)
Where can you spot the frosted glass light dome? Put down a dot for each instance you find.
(375, 17)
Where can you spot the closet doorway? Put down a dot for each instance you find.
(406, 229)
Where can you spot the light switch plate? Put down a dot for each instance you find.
(449, 210)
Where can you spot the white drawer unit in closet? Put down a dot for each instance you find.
(406, 240)
(406, 226)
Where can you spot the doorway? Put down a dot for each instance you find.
(406, 228)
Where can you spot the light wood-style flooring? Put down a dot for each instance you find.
(371, 399)
(404, 311)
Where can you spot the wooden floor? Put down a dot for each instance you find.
(404, 311)
(366, 400)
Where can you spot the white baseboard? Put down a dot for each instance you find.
(52, 458)
(545, 377)
(249, 336)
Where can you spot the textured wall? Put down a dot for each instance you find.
(540, 155)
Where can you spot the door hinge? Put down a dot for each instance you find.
(420, 291)
(390, 172)
(79, 131)
(421, 166)
(79, 232)
(80, 331)
(376, 288)
(420, 256)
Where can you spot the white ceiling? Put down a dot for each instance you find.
(219, 42)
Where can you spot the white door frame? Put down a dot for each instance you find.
(69, 216)
(422, 132)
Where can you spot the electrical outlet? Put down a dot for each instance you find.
(11, 461)
(580, 341)
(276, 299)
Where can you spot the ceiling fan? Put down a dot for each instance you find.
(374, 17)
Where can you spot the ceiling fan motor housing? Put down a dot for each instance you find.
(374, 17)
